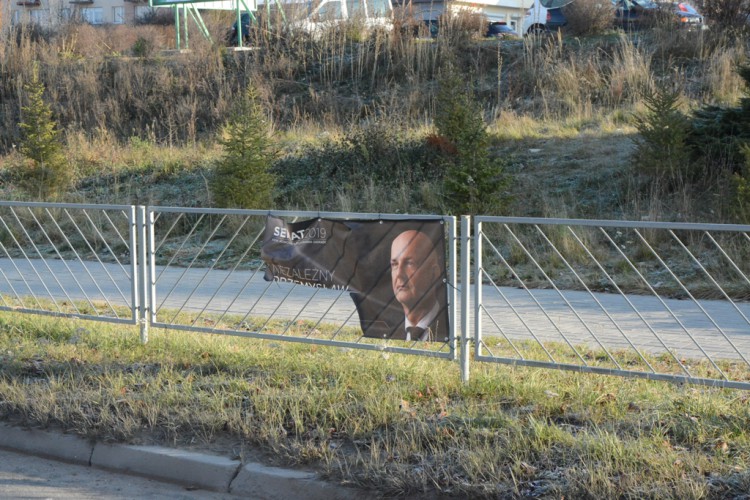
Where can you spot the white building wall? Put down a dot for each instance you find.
(51, 12)
(510, 11)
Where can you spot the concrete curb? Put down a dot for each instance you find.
(208, 472)
(265, 483)
(194, 470)
(64, 447)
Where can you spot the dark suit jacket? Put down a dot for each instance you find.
(386, 318)
(438, 329)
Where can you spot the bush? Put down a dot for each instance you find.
(727, 15)
(589, 17)
(44, 174)
(377, 151)
(741, 186)
(143, 47)
(158, 17)
(474, 183)
(243, 178)
(718, 133)
(661, 151)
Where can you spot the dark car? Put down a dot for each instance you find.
(545, 16)
(636, 14)
(428, 28)
(687, 16)
(501, 30)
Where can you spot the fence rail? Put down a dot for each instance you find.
(207, 275)
(69, 260)
(649, 299)
(665, 301)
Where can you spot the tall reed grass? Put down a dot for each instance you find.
(338, 78)
(107, 99)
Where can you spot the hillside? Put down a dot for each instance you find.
(560, 112)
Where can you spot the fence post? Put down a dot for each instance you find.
(143, 275)
(135, 291)
(465, 291)
(477, 272)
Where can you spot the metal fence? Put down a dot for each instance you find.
(657, 300)
(206, 275)
(662, 301)
(69, 260)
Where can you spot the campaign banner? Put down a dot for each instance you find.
(394, 271)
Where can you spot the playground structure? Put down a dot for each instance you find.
(191, 9)
(326, 13)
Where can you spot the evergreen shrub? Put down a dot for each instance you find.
(243, 177)
(44, 174)
(474, 182)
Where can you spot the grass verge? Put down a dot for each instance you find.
(393, 423)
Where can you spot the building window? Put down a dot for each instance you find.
(93, 15)
(330, 11)
(39, 16)
(143, 12)
(118, 15)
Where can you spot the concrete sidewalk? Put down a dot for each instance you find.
(189, 469)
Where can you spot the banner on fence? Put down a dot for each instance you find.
(395, 271)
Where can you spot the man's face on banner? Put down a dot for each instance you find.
(414, 268)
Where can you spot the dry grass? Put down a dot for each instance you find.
(395, 424)
(572, 99)
(339, 79)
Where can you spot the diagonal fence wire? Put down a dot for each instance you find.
(675, 294)
(643, 282)
(49, 263)
(209, 277)
(566, 340)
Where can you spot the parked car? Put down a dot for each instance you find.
(501, 30)
(544, 16)
(330, 13)
(687, 16)
(428, 28)
(636, 14)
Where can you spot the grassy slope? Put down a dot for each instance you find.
(575, 177)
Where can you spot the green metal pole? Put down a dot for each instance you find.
(196, 16)
(185, 26)
(239, 26)
(281, 10)
(177, 25)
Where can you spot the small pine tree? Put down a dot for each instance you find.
(717, 133)
(661, 151)
(45, 174)
(243, 179)
(474, 183)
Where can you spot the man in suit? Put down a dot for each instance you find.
(416, 276)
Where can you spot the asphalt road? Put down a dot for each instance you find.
(28, 477)
(706, 328)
